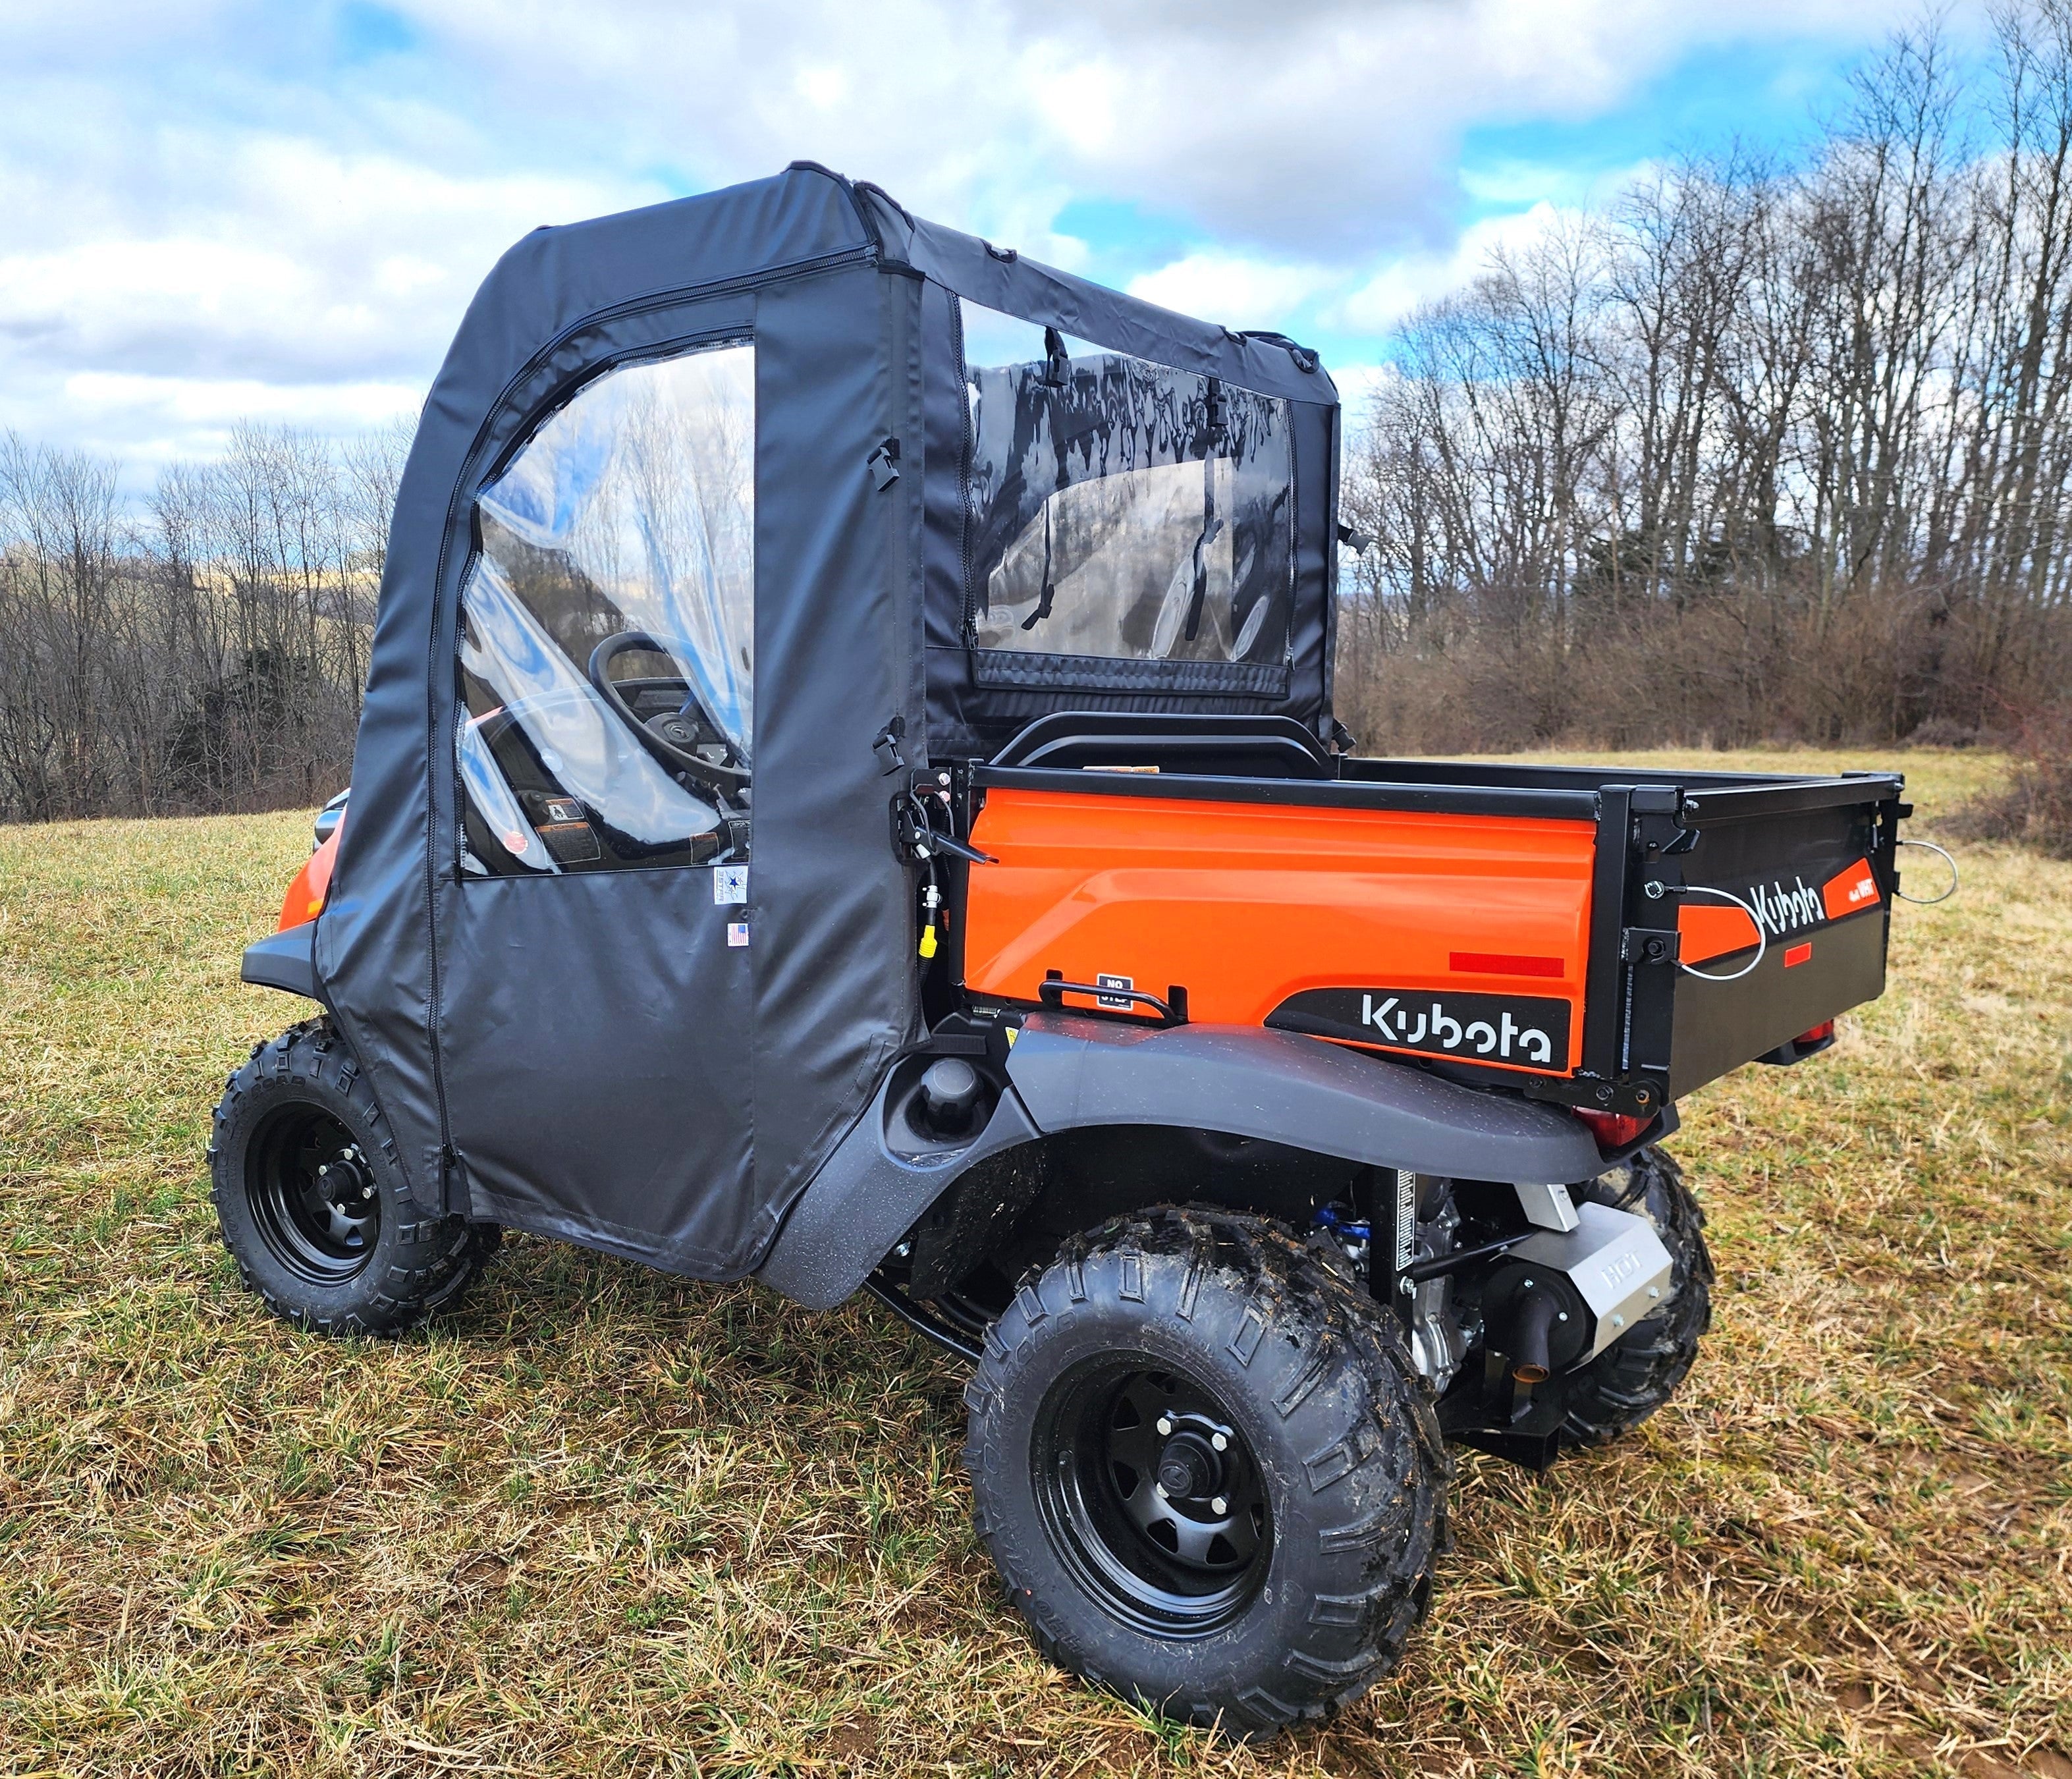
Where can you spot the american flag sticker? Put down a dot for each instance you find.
(736, 932)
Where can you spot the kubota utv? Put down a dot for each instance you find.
(848, 794)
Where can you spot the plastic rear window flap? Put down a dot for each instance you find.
(1121, 510)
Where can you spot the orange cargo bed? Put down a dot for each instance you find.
(1605, 943)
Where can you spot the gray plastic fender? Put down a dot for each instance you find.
(866, 1196)
(1066, 1073)
(285, 960)
(1286, 1088)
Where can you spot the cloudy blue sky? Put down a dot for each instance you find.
(216, 208)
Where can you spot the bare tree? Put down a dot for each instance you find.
(208, 653)
(1761, 453)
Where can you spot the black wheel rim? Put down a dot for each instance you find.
(1151, 1495)
(313, 1197)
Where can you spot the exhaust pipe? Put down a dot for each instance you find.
(1529, 1362)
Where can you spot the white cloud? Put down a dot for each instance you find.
(214, 195)
(1403, 284)
(302, 283)
(1231, 288)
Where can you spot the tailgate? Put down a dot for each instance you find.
(1808, 867)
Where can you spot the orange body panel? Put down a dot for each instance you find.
(305, 899)
(1244, 904)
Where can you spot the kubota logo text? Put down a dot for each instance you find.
(1780, 910)
(1523, 1031)
(1405, 1024)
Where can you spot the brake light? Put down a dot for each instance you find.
(1820, 1034)
(1613, 1130)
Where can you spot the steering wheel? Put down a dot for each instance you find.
(673, 736)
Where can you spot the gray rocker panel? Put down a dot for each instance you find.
(283, 960)
(1067, 1073)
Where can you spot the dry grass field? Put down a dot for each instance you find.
(602, 1521)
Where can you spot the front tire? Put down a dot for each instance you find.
(1210, 1478)
(1637, 1374)
(312, 1203)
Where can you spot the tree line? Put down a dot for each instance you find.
(203, 651)
(1759, 452)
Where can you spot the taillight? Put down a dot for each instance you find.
(1820, 1034)
(1613, 1130)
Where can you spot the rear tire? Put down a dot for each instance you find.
(313, 1205)
(1279, 1573)
(1640, 1371)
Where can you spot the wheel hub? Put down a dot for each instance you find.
(313, 1196)
(1155, 1495)
(1189, 1469)
(341, 1195)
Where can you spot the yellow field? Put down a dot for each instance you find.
(603, 1521)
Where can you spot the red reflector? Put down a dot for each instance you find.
(1503, 963)
(1820, 1034)
(1795, 955)
(1613, 1130)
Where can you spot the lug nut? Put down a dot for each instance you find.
(1219, 1506)
(1158, 1489)
(1165, 1424)
(1220, 1442)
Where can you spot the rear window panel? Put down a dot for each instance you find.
(1121, 512)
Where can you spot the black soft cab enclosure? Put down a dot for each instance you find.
(722, 517)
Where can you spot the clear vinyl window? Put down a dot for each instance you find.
(607, 628)
(1122, 510)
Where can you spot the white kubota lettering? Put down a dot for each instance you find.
(1778, 910)
(1448, 1034)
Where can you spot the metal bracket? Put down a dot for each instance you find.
(1649, 945)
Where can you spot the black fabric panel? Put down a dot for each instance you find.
(830, 958)
(967, 721)
(375, 947)
(373, 939)
(596, 1049)
(1316, 550)
(593, 1028)
(944, 417)
(1024, 287)
(838, 577)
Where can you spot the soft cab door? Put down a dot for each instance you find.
(669, 958)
